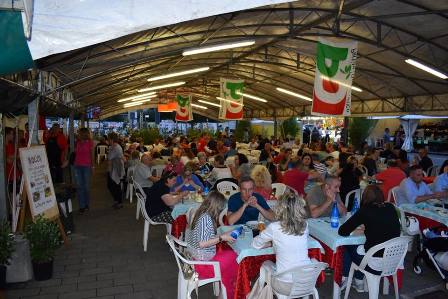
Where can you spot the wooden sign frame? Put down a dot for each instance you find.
(39, 188)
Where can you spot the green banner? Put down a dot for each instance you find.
(15, 55)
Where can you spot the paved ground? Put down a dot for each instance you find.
(105, 259)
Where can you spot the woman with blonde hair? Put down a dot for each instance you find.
(263, 182)
(289, 237)
(202, 240)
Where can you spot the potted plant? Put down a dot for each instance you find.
(44, 239)
(6, 250)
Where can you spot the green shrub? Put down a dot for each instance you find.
(290, 128)
(359, 129)
(44, 239)
(241, 126)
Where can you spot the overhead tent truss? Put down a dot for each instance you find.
(283, 56)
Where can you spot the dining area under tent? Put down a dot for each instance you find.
(248, 149)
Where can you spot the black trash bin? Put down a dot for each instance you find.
(64, 194)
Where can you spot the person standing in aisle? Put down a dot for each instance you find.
(115, 170)
(56, 146)
(84, 157)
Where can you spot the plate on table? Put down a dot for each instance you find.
(252, 224)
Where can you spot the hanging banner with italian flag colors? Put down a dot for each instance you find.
(183, 109)
(231, 99)
(335, 69)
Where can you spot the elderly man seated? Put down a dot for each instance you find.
(143, 172)
(246, 205)
(321, 198)
(414, 190)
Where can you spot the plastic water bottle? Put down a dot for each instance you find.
(236, 232)
(355, 207)
(205, 190)
(334, 218)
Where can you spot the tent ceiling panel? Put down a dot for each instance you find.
(387, 32)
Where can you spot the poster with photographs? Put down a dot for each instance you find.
(38, 183)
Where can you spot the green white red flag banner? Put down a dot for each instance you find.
(183, 108)
(231, 99)
(335, 69)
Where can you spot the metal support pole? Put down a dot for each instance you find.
(3, 182)
(275, 123)
(33, 121)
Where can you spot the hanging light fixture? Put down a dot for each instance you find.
(177, 74)
(298, 95)
(209, 103)
(426, 68)
(140, 96)
(251, 97)
(162, 86)
(218, 47)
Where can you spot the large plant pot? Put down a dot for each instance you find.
(43, 271)
(2, 277)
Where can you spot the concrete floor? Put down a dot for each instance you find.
(105, 259)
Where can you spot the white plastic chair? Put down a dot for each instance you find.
(184, 286)
(357, 193)
(391, 195)
(433, 170)
(138, 189)
(221, 217)
(227, 186)
(101, 152)
(363, 169)
(130, 186)
(394, 252)
(279, 189)
(303, 281)
(148, 221)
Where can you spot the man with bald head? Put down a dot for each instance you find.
(143, 172)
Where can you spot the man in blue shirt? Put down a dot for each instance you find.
(246, 205)
(441, 182)
(414, 190)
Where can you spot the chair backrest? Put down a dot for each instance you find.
(394, 192)
(175, 243)
(363, 169)
(158, 169)
(357, 193)
(394, 252)
(278, 189)
(433, 170)
(255, 153)
(130, 174)
(190, 214)
(139, 189)
(391, 194)
(303, 279)
(221, 217)
(226, 186)
(101, 149)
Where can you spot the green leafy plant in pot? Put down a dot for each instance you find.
(44, 239)
(6, 250)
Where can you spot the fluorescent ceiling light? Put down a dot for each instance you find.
(209, 103)
(162, 86)
(140, 96)
(192, 71)
(213, 48)
(343, 84)
(144, 98)
(135, 103)
(233, 102)
(294, 94)
(426, 68)
(251, 97)
(199, 106)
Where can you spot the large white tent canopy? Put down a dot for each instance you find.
(113, 47)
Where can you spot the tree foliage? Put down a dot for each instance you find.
(359, 129)
(289, 128)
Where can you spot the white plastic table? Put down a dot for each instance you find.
(321, 229)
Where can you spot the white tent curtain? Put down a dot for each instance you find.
(409, 126)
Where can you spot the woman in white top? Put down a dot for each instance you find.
(289, 237)
(220, 171)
